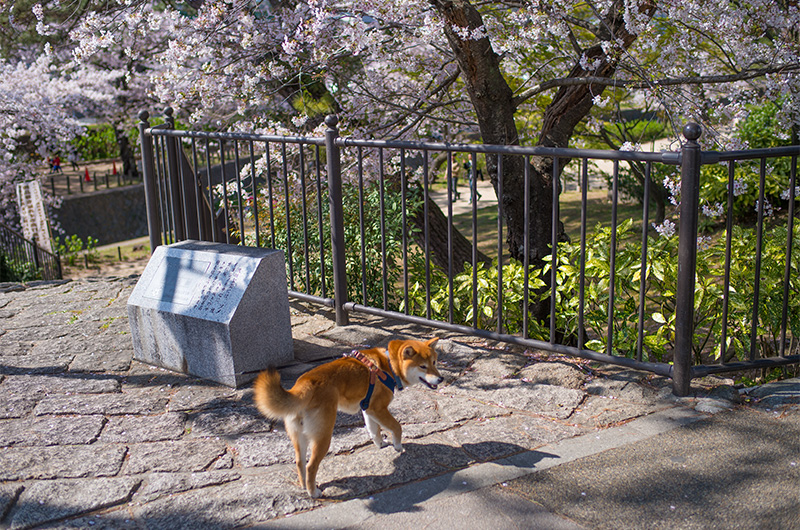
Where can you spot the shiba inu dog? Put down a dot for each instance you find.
(363, 381)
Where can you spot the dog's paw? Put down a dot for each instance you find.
(399, 448)
(315, 494)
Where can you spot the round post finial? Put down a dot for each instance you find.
(144, 115)
(168, 111)
(692, 131)
(332, 120)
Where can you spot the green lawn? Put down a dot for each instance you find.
(598, 210)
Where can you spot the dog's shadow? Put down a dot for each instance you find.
(421, 472)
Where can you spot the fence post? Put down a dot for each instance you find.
(337, 219)
(149, 179)
(687, 260)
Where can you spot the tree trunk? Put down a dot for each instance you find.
(441, 254)
(129, 168)
(495, 108)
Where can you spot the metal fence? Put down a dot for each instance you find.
(361, 232)
(24, 259)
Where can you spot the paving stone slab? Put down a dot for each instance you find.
(554, 373)
(604, 411)
(34, 364)
(40, 385)
(50, 430)
(371, 469)
(546, 400)
(46, 501)
(264, 449)
(137, 429)
(493, 438)
(118, 360)
(228, 421)
(66, 461)
(358, 336)
(108, 404)
(202, 396)
(8, 496)
(157, 485)
(16, 406)
(241, 503)
(173, 456)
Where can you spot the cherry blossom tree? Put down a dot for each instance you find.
(513, 70)
(38, 105)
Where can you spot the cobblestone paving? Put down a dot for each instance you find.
(89, 437)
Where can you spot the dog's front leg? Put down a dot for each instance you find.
(383, 418)
(373, 428)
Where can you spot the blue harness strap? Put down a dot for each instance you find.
(390, 380)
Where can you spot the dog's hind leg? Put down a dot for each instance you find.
(373, 428)
(385, 419)
(294, 427)
(320, 439)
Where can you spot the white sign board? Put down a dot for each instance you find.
(32, 214)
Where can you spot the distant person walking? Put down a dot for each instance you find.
(72, 157)
(57, 165)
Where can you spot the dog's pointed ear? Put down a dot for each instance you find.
(408, 352)
(432, 342)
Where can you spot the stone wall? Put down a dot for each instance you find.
(111, 215)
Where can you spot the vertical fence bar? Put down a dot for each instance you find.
(270, 197)
(254, 192)
(337, 219)
(238, 177)
(582, 276)
(451, 196)
(404, 214)
(382, 209)
(361, 229)
(499, 243)
(150, 200)
(320, 225)
(687, 260)
(554, 249)
(526, 245)
(173, 179)
(723, 353)
(287, 206)
(759, 245)
(473, 191)
(789, 244)
(225, 210)
(197, 191)
(643, 264)
(426, 234)
(304, 210)
(213, 212)
(612, 260)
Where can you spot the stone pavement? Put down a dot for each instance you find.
(91, 438)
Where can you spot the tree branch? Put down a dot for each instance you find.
(744, 75)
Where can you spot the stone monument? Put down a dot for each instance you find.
(215, 311)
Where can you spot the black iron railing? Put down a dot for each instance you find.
(24, 260)
(361, 232)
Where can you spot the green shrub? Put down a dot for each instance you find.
(98, 142)
(759, 130)
(661, 284)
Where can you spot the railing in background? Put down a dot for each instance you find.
(25, 258)
(325, 209)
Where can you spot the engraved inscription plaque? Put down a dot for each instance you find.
(216, 311)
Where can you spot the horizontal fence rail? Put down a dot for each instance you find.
(371, 226)
(23, 260)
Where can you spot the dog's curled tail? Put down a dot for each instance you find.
(271, 398)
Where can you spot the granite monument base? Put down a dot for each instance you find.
(215, 311)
